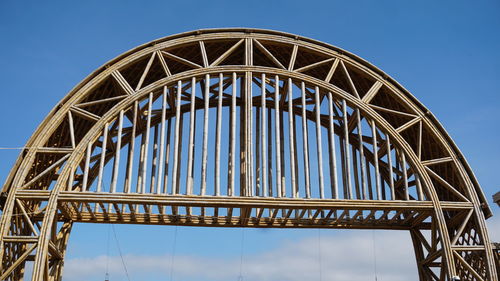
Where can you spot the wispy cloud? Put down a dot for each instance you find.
(344, 256)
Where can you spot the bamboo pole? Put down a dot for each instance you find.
(361, 154)
(192, 120)
(376, 160)
(218, 136)
(232, 136)
(265, 190)
(175, 168)
(144, 158)
(291, 134)
(205, 137)
(270, 150)
(86, 167)
(71, 129)
(347, 156)
(389, 163)
(116, 163)
(103, 157)
(356, 172)
(162, 142)
(305, 141)
(154, 163)
(319, 143)
(131, 147)
(277, 132)
(332, 149)
(405, 176)
(250, 151)
(167, 157)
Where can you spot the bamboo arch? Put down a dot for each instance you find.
(244, 128)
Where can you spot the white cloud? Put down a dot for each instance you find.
(344, 256)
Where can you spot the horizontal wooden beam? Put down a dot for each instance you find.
(237, 202)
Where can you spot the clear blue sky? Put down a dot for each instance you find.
(445, 52)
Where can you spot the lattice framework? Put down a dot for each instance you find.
(301, 134)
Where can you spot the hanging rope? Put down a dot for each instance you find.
(172, 260)
(374, 256)
(240, 276)
(120, 252)
(319, 256)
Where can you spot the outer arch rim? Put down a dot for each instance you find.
(435, 122)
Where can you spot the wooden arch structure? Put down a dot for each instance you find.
(244, 128)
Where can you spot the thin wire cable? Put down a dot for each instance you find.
(106, 276)
(240, 276)
(374, 256)
(319, 256)
(17, 148)
(120, 252)
(172, 260)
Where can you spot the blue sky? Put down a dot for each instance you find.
(444, 52)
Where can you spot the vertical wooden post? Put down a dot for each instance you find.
(116, 164)
(131, 147)
(347, 161)
(205, 136)
(103, 157)
(162, 141)
(191, 148)
(218, 136)
(144, 159)
(232, 136)
(291, 134)
(332, 148)
(176, 168)
(319, 142)
(265, 191)
(277, 132)
(375, 161)
(305, 142)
